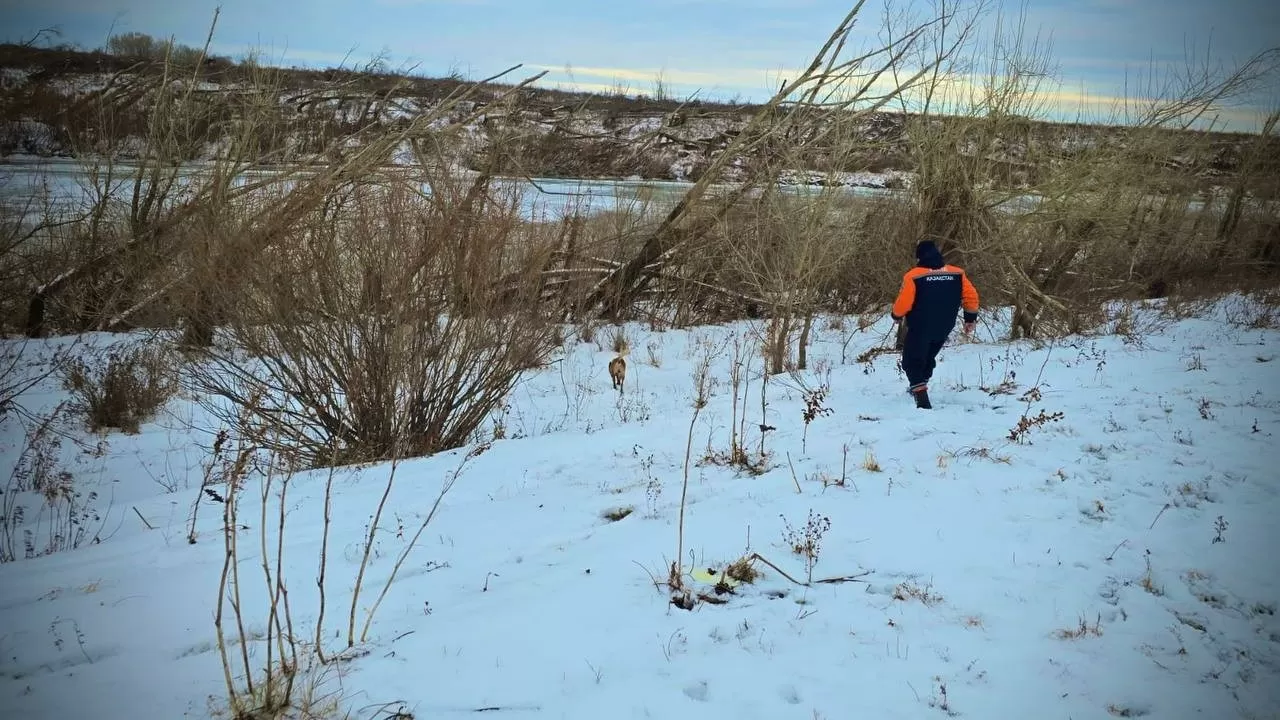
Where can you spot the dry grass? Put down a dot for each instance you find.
(912, 591)
(618, 513)
(1081, 630)
(742, 570)
(870, 463)
(618, 341)
(68, 517)
(975, 453)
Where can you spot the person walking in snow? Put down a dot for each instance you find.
(932, 293)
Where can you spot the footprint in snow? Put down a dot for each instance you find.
(1204, 588)
(1110, 591)
(64, 663)
(197, 649)
(697, 691)
(789, 694)
(1126, 710)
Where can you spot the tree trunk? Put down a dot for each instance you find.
(802, 352)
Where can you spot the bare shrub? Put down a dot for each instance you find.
(787, 251)
(807, 542)
(1254, 311)
(142, 46)
(125, 238)
(377, 327)
(296, 672)
(681, 596)
(814, 397)
(121, 387)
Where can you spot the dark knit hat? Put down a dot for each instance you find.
(927, 255)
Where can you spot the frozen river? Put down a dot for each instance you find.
(69, 185)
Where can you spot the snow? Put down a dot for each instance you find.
(13, 78)
(975, 553)
(76, 85)
(643, 126)
(869, 180)
(682, 167)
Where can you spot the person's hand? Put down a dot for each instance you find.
(968, 328)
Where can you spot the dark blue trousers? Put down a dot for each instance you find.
(919, 356)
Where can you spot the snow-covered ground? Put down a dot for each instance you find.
(1117, 562)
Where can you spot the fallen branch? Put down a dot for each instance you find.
(793, 474)
(825, 581)
(1153, 522)
(844, 579)
(144, 520)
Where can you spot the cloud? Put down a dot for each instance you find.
(723, 83)
(601, 88)
(1100, 102)
(736, 77)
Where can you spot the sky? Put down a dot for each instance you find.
(713, 49)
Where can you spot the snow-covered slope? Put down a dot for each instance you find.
(1118, 562)
(556, 134)
(44, 93)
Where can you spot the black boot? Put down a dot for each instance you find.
(922, 398)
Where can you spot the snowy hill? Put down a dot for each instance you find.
(53, 103)
(1117, 560)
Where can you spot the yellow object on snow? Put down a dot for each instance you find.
(708, 576)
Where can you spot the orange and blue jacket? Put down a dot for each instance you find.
(930, 298)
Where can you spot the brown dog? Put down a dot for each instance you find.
(618, 372)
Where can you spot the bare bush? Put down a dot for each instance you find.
(681, 596)
(122, 386)
(796, 250)
(376, 327)
(296, 672)
(807, 542)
